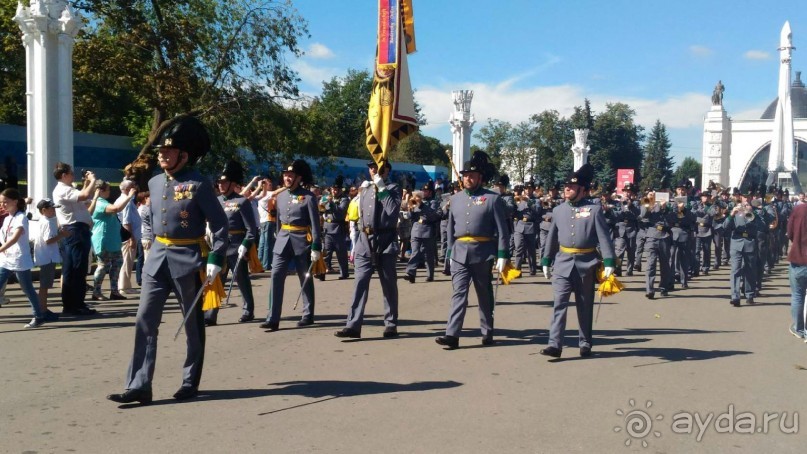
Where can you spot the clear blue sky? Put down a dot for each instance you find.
(520, 57)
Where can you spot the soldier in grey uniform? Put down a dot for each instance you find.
(298, 239)
(681, 222)
(578, 229)
(242, 230)
(704, 214)
(626, 229)
(376, 250)
(742, 226)
(526, 219)
(657, 244)
(425, 215)
(478, 234)
(335, 226)
(182, 201)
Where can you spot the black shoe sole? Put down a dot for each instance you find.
(551, 353)
(342, 334)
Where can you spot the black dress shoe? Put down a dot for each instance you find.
(585, 352)
(750, 300)
(684, 285)
(664, 292)
(83, 311)
(448, 341)
(533, 273)
(446, 273)
(321, 277)
(186, 392)
(246, 318)
(341, 278)
(735, 303)
(410, 278)
(650, 295)
(638, 269)
(305, 322)
(429, 279)
(390, 331)
(348, 333)
(551, 351)
(269, 326)
(706, 272)
(209, 322)
(132, 395)
(487, 341)
(630, 273)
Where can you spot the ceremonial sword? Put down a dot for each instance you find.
(302, 288)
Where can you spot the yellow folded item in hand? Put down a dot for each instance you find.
(319, 267)
(213, 294)
(254, 263)
(509, 273)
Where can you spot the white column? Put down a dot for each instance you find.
(30, 138)
(462, 122)
(716, 148)
(580, 148)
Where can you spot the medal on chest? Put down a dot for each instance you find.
(479, 201)
(583, 212)
(230, 207)
(183, 191)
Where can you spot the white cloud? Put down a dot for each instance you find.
(319, 51)
(700, 51)
(314, 75)
(757, 55)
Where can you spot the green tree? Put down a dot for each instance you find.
(420, 149)
(519, 155)
(689, 168)
(553, 142)
(12, 67)
(494, 137)
(615, 143)
(657, 165)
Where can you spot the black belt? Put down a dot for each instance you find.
(77, 226)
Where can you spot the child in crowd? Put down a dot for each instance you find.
(15, 253)
(46, 253)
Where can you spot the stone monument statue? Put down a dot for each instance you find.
(580, 148)
(462, 122)
(717, 94)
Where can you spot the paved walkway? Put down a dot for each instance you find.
(303, 390)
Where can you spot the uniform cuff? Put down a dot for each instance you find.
(215, 259)
(316, 247)
(448, 253)
(609, 262)
(545, 261)
(383, 194)
(503, 254)
(246, 243)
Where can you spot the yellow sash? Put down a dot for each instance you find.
(574, 250)
(478, 239)
(173, 242)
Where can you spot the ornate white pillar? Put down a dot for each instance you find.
(716, 148)
(48, 30)
(462, 123)
(580, 148)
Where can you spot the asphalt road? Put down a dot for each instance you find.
(663, 373)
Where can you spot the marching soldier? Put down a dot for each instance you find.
(657, 245)
(742, 226)
(298, 240)
(704, 214)
(242, 230)
(681, 222)
(578, 228)
(641, 235)
(526, 217)
(478, 234)
(376, 249)
(425, 215)
(182, 201)
(626, 229)
(335, 226)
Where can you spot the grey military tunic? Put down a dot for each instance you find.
(576, 231)
(376, 250)
(681, 226)
(743, 253)
(625, 232)
(657, 245)
(181, 205)
(478, 232)
(242, 229)
(704, 215)
(298, 233)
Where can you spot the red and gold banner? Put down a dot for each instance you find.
(391, 114)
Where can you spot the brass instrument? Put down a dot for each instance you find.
(454, 168)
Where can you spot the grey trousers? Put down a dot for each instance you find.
(241, 276)
(280, 266)
(153, 294)
(583, 288)
(623, 246)
(423, 250)
(679, 263)
(338, 244)
(387, 275)
(461, 276)
(658, 250)
(703, 252)
(743, 268)
(526, 249)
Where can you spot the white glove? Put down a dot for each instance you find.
(315, 255)
(212, 271)
(546, 272)
(146, 244)
(365, 184)
(242, 252)
(609, 270)
(500, 264)
(379, 182)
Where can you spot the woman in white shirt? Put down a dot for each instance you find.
(15, 253)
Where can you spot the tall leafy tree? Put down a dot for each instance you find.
(494, 137)
(689, 168)
(553, 142)
(519, 155)
(615, 142)
(12, 67)
(657, 166)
